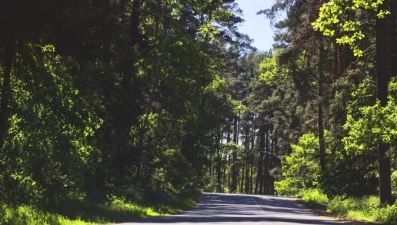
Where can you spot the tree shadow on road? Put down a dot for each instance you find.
(241, 219)
(246, 209)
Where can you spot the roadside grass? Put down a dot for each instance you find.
(365, 209)
(76, 212)
(361, 209)
(28, 215)
(313, 196)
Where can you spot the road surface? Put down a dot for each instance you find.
(243, 210)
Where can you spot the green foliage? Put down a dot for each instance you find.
(116, 209)
(364, 209)
(355, 208)
(352, 172)
(313, 195)
(47, 145)
(387, 214)
(301, 168)
(113, 97)
(331, 21)
(376, 124)
(371, 125)
(231, 147)
(271, 72)
(28, 215)
(394, 182)
(349, 175)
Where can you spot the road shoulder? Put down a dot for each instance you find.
(321, 210)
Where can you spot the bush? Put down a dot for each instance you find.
(313, 195)
(301, 169)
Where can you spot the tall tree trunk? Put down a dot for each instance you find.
(229, 158)
(320, 125)
(272, 165)
(242, 178)
(251, 191)
(219, 171)
(8, 182)
(247, 160)
(247, 174)
(385, 62)
(252, 157)
(256, 183)
(211, 168)
(97, 184)
(266, 162)
(219, 162)
(135, 38)
(7, 60)
(233, 186)
(261, 150)
(224, 177)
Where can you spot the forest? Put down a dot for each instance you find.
(106, 103)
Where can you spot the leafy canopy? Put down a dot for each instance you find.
(330, 21)
(376, 124)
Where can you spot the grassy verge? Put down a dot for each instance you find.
(28, 215)
(82, 213)
(364, 209)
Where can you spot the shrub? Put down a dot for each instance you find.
(301, 169)
(313, 195)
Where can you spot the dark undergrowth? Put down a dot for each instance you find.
(113, 210)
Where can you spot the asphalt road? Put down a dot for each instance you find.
(243, 210)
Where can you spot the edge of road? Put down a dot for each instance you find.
(321, 210)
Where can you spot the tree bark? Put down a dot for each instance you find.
(247, 160)
(272, 155)
(266, 162)
(320, 125)
(6, 91)
(252, 157)
(385, 66)
(261, 149)
(219, 161)
(233, 186)
(219, 170)
(244, 167)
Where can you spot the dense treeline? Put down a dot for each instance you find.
(127, 98)
(104, 97)
(319, 109)
(334, 68)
